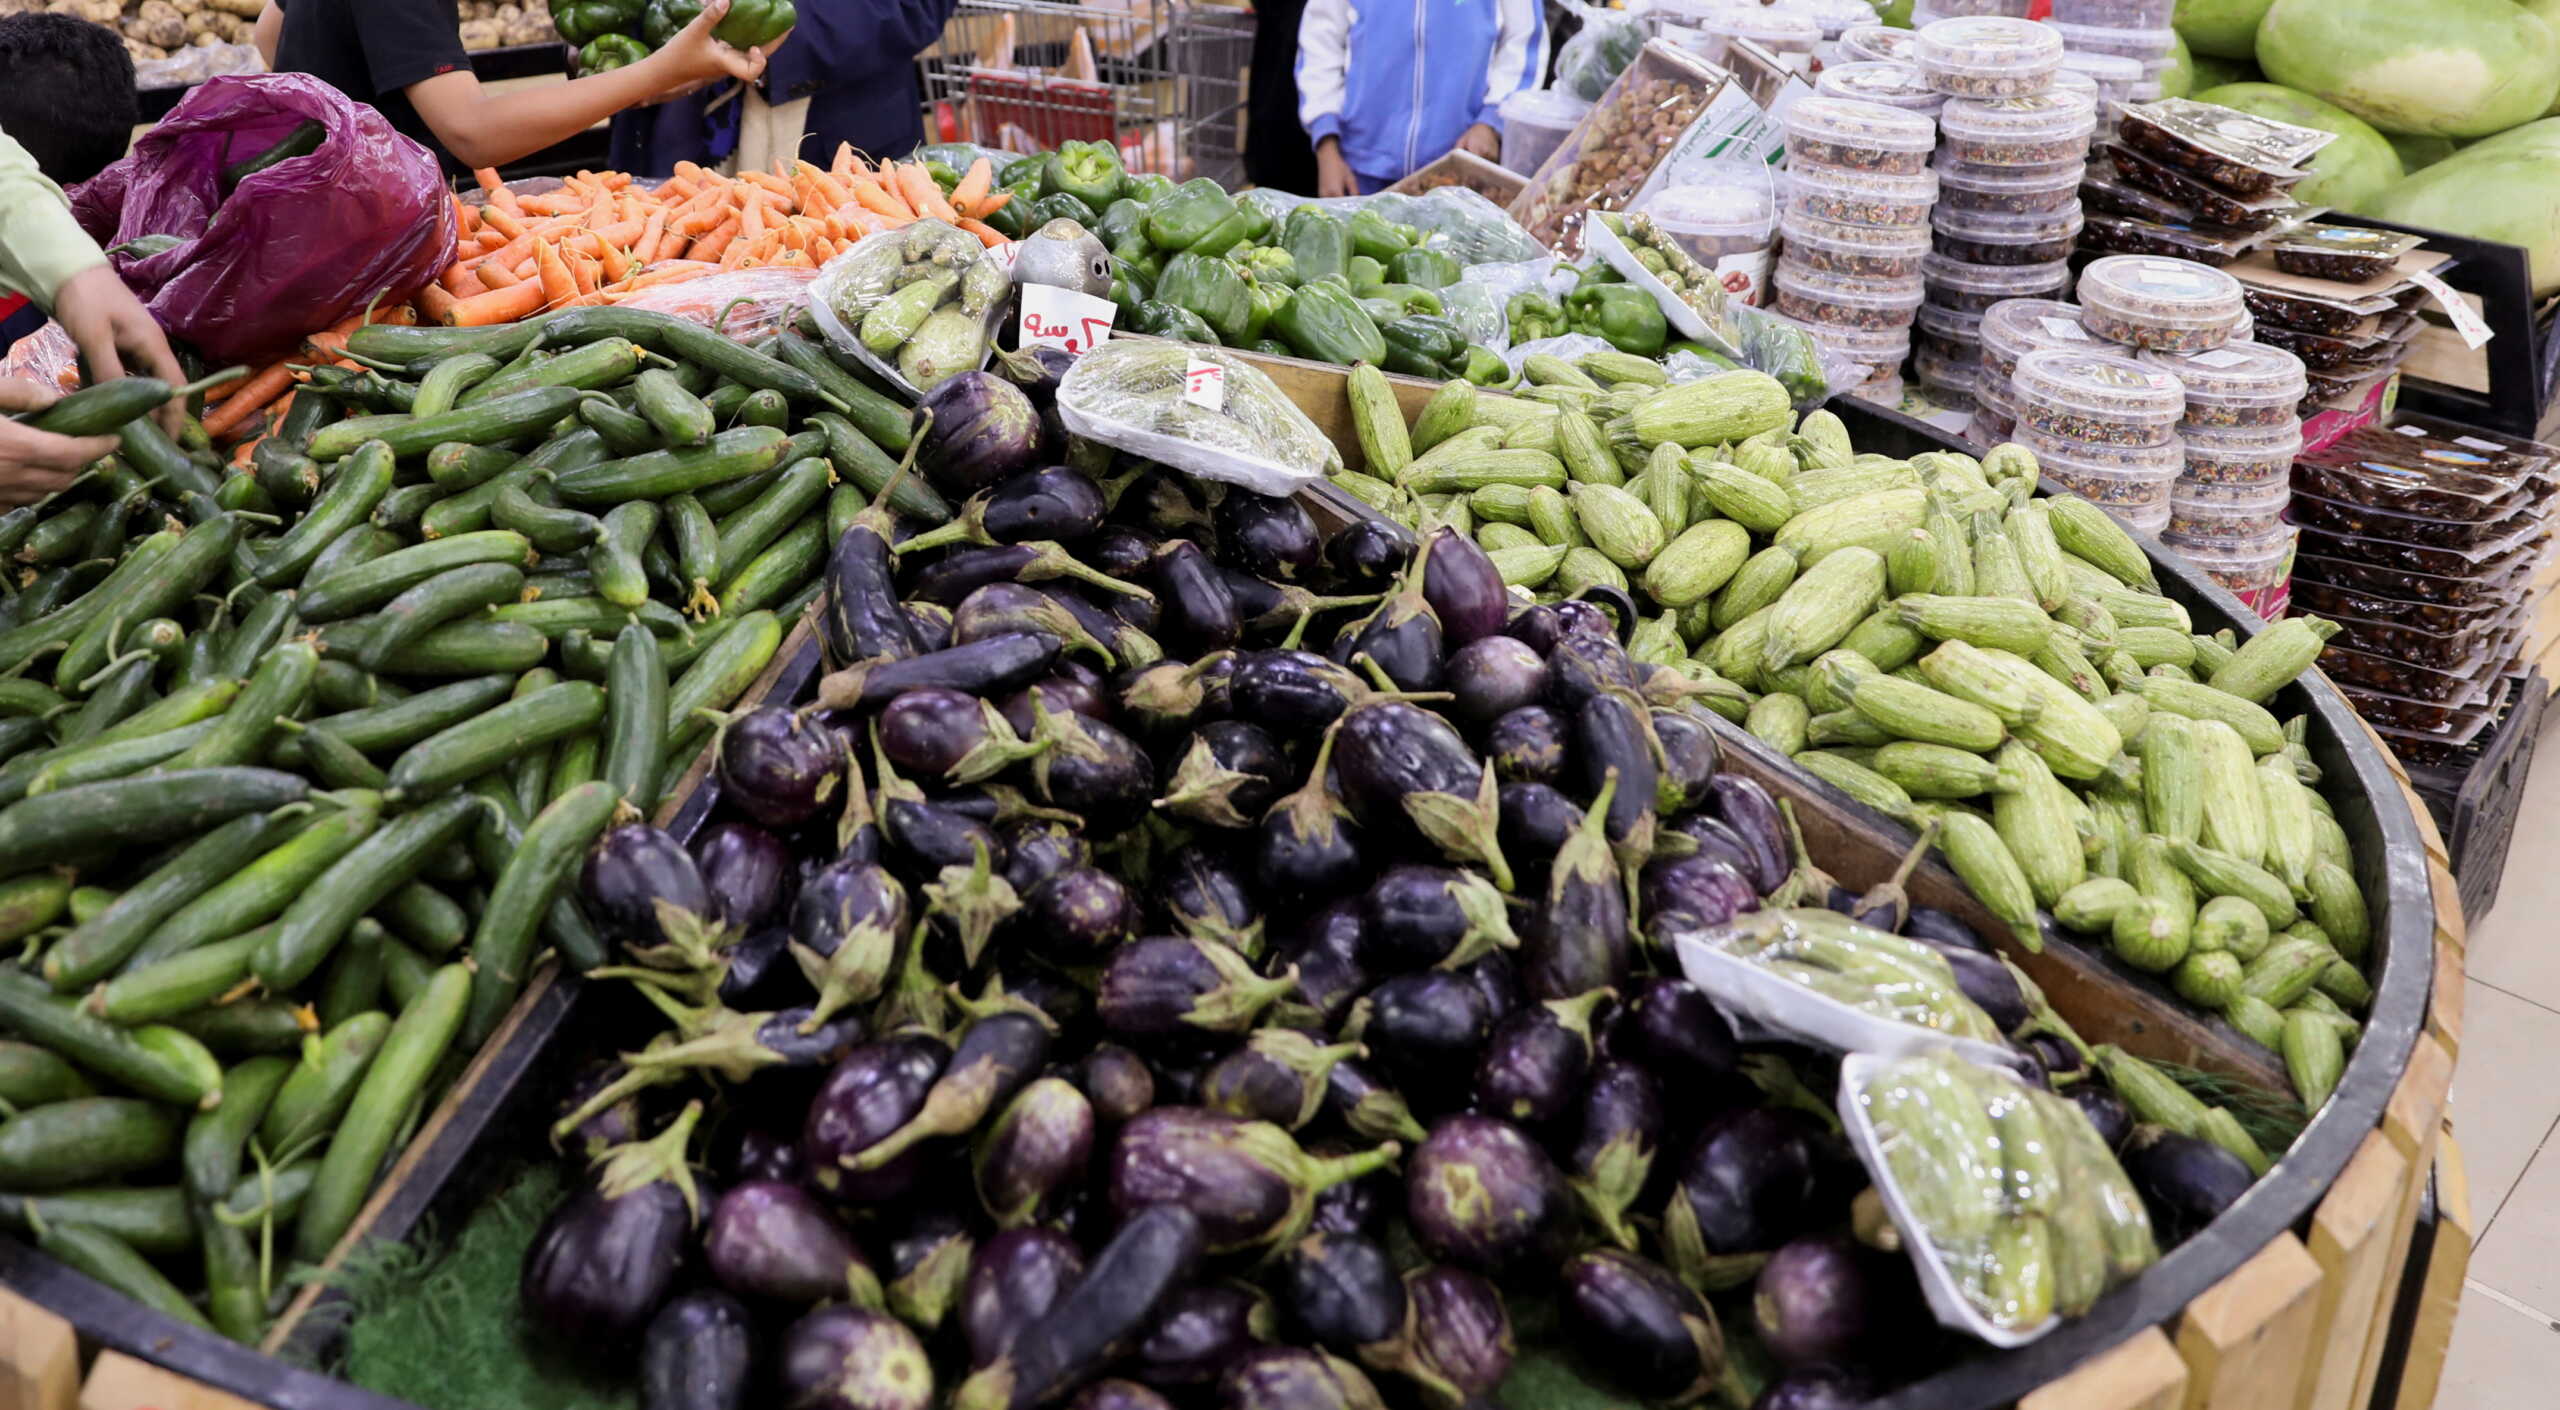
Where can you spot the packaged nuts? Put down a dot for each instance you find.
(2349, 254)
(1890, 84)
(2100, 401)
(2141, 44)
(2042, 129)
(2117, 479)
(1981, 237)
(2236, 462)
(2166, 304)
(1989, 56)
(1859, 197)
(1711, 222)
(2013, 328)
(1867, 305)
(2125, 235)
(2240, 386)
(1858, 136)
(2239, 152)
(1607, 160)
(2213, 517)
(1882, 348)
(1950, 337)
(2115, 14)
(1858, 251)
(2243, 569)
(1875, 43)
(1974, 288)
(2008, 190)
(2211, 204)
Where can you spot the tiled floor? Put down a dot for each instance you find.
(2506, 1114)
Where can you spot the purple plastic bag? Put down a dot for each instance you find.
(297, 247)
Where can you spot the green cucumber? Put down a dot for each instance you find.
(635, 737)
(502, 948)
(519, 506)
(392, 1086)
(795, 558)
(615, 559)
(89, 952)
(259, 890)
(499, 419)
(449, 595)
(730, 455)
(121, 1056)
(677, 415)
(474, 746)
(321, 1084)
(122, 813)
(280, 688)
(344, 502)
(379, 865)
(369, 585)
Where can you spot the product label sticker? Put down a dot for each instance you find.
(2067, 329)
(1204, 384)
(2467, 323)
(1062, 318)
(2219, 357)
(2474, 442)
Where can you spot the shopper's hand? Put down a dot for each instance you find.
(695, 58)
(1333, 174)
(113, 329)
(1482, 140)
(36, 463)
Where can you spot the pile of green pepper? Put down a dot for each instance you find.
(609, 34)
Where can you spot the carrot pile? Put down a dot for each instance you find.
(601, 238)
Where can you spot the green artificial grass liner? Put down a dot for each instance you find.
(443, 1329)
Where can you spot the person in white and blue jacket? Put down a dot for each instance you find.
(1386, 87)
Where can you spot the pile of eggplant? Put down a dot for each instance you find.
(1183, 957)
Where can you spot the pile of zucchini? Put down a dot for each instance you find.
(295, 759)
(1935, 640)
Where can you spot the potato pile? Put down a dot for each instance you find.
(155, 29)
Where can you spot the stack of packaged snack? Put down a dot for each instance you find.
(2340, 298)
(2117, 80)
(1854, 222)
(2242, 430)
(2130, 29)
(2010, 330)
(2009, 166)
(1925, 13)
(2196, 181)
(2103, 426)
(1871, 43)
(2423, 542)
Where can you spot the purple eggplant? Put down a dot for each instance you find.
(1816, 1302)
(698, 1354)
(1098, 1320)
(932, 624)
(2055, 1056)
(1167, 698)
(1037, 372)
(1497, 980)
(746, 869)
(1424, 1033)
(1269, 536)
(1690, 756)
(761, 974)
(1280, 1075)
(1746, 807)
(1119, 1395)
(1463, 587)
(1696, 892)
(596, 1131)
(1754, 1179)
(1405, 768)
(1620, 1130)
(1015, 1277)
(636, 877)
(1073, 686)
(778, 766)
(772, 1241)
(1419, 917)
(1582, 667)
(1359, 1206)
(1038, 849)
(1367, 553)
(1579, 941)
(1292, 691)
(2185, 1182)
(1612, 738)
(999, 1051)
(1056, 503)
(609, 1255)
(1199, 1330)
(1342, 1290)
(1711, 838)
(928, 1267)
(1165, 502)
(1987, 980)
(1366, 1106)
(1035, 1152)
(1263, 606)
(1815, 1388)
(1121, 551)
(961, 572)
(763, 1153)
(1536, 823)
(846, 930)
(1669, 1025)
(1457, 1343)
(1492, 676)
(1401, 639)
(1937, 926)
(975, 432)
(1092, 770)
(875, 1090)
(1306, 844)
(1481, 1194)
(1327, 959)
(1205, 897)
(1536, 1059)
(1227, 776)
(1117, 1082)
(1160, 987)
(1640, 1330)
(1200, 614)
(2107, 1113)
(1077, 915)
(1004, 609)
(861, 620)
(1129, 642)
(1248, 1181)
(1528, 745)
(1550, 623)
(989, 666)
(949, 735)
(1294, 1378)
(928, 838)
(847, 1358)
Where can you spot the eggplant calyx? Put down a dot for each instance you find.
(1871, 1224)
(1302, 605)
(1168, 694)
(1574, 1014)
(1050, 559)
(1891, 893)
(1001, 749)
(968, 526)
(1313, 810)
(1691, 680)
(1012, 806)
(1584, 857)
(924, 1296)
(857, 813)
(1402, 1355)
(852, 973)
(1778, 1082)
(1241, 994)
(693, 944)
(1203, 789)
(624, 1169)
(893, 787)
(995, 999)
(1058, 729)
(1684, 1247)
(1488, 915)
(2042, 1019)
(1807, 885)
(701, 987)
(1464, 828)
(915, 1001)
(1381, 1115)
(1304, 1058)
(975, 900)
(1616, 1177)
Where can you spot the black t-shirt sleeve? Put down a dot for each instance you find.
(409, 41)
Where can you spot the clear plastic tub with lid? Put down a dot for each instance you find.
(1989, 56)
(1834, 18)
(1785, 33)
(1928, 12)
(1974, 288)
(2153, 521)
(2099, 400)
(1939, 370)
(2042, 129)
(2114, 478)
(1875, 43)
(1992, 421)
(2009, 190)
(2246, 567)
(2134, 44)
(2116, 14)
(1857, 251)
(2015, 327)
(2169, 305)
(1859, 197)
(1867, 347)
(1954, 337)
(1711, 222)
(1869, 305)
(1982, 237)
(1890, 83)
(2259, 456)
(1535, 121)
(1858, 136)
(2227, 517)
(2237, 387)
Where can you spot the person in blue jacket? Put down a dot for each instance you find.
(848, 75)
(1386, 87)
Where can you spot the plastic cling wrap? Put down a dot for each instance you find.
(2012, 1208)
(1197, 409)
(746, 304)
(1819, 977)
(918, 305)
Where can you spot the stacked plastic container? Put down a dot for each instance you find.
(2129, 29)
(1535, 121)
(2243, 428)
(2104, 427)
(2006, 332)
(1727, 227)
(1925, 13)
(2116, 79)
(2012, 147)
(1854, 223)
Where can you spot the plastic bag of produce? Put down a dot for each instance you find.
(46, 357)
(2012, 1208)
(1194, 408)
(918, 305)
(1568, 347)
(1592, 59)
(1818, 977)
(1477, 310)
(271, 252)
(746, 304)
(1461, 221)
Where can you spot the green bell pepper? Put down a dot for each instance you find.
(1319, 244)
(1257, 219)
(751, 23)
(1163, 320)
(1213, 289)
(1267, 299)
(1432, 269)
(610, 51)
(1534, 316)
(1599, 271)
(1425, 346)
(1623, 314)
(661, 19)
(581, 20)
(1322, 321)
(1121, 219)
(1062, 205)
(1146, 186)
(1088, 171)
(1191, 214)
(1022, 169)
(1381, 311)
(1128, 291)
(1410, 298)
(1364, 272)
(944, 175)
(1141, 259)
(1012, 220)
(1486, 368)
(1268, 264)
(1377, 237)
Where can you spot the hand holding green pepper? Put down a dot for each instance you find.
(581, 21)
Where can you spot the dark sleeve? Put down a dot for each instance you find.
(846, 41)
(409, 41)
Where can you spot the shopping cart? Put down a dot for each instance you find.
(1167, 80)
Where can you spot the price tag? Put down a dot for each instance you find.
(1062, 318)
(1204, 384)
(2466, 319)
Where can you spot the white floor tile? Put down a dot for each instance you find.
(2501, 1359)
(2504, 1101)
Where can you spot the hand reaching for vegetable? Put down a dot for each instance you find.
(1482, 140)
(697, 57)
(36, 463)
(111, 327)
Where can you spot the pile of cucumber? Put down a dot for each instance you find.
(295, 757)
(1942, 644)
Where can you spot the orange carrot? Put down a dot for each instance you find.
(494, 274)
(987, 234)
(878, 199)
(645, 248)
(507, 305)
(265, 385)
(466, 218)
(436, 303)
(487, 177)
(558, 286)
(916, 184)
(458, 280)
(503, 221)
(990, 203)
(582, 272)
(973, 187)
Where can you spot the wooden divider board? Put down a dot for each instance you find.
(2246, 1338)
(39, 1357)
(2414, 1124)
(2143, 1372)
(2350, 1238)
(119, 1382)
(2448, 1266)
